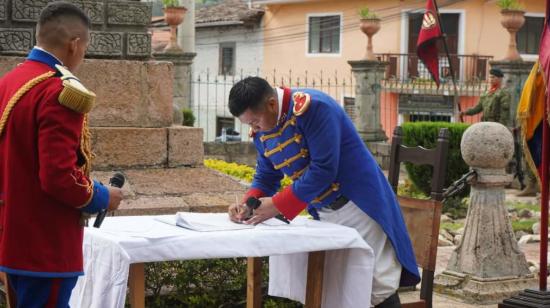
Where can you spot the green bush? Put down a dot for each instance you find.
(425, 134)
(188, 117)
(242, 172)
(204, 283)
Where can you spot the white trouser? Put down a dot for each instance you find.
(387, 269)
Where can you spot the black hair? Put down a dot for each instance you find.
(60, 9)
(496, 72)
(250, 92)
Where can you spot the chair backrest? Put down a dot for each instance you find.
(422, 217)
(436, 157)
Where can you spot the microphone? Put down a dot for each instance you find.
(116, 181)
(254, 203)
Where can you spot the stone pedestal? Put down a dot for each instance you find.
(368, 75)
(186, 31)
(488, 265)
(182, 91)
(515, 74)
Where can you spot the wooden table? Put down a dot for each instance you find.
(115, 255)
(316, 261)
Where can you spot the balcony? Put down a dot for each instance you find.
(406, 74)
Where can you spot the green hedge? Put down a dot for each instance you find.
(425, 134)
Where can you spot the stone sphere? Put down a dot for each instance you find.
(487, 145)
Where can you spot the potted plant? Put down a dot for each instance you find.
(512, 19)
(173, 16)
(370, 24)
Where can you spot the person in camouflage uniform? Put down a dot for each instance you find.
(495, 104)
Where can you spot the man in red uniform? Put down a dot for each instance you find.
(45, 161)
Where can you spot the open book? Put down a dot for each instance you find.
(211, 222)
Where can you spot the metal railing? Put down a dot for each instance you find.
(405, 73)
(210, 93)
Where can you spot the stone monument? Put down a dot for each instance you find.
(487, 266)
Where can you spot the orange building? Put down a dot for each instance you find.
(308, 43)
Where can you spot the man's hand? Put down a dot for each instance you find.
(266, 211)
(237, 212)
(115, 196)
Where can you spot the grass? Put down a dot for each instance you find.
(518, 206)
(525, 225)
(451, 226)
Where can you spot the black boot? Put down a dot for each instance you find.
(390, 302)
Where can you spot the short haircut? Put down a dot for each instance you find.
(54, 11)
(249, 93)
(56, 22)
(497, 72)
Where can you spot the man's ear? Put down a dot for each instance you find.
(73, 45)
(272, 104)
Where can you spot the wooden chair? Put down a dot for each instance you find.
(422, 217)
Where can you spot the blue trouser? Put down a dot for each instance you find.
(38, 292)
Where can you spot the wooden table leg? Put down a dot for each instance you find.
(136, 282)
(254, 283)
(315, 273)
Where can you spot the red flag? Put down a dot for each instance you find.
(544, 48)
(426, 47)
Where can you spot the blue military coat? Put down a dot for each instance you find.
(315, 143)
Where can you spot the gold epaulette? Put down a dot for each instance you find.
(74, 95)
(301, 103)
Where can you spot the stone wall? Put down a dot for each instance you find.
(119, 28)
(245, 152)
(129, 93)
(131, 122)
(234, 152)
(381, 152)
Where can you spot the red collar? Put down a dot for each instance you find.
(286, 105)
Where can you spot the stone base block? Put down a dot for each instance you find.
(185, 146)
(479, 290)
(129, 93)
(129, 147)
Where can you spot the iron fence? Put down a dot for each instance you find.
(210, 93)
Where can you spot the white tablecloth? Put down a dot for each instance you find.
(109, 251)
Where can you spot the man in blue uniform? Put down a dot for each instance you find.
(306, 135)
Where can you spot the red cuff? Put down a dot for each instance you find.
(253, 192)
(288, 204)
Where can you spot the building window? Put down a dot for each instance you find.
(227, 59)
(529, 35)
(324, 34)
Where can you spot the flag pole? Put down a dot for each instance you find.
(456, 102)
(543, 273)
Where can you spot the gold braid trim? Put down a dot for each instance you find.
(287, 162)
(298, 174)
(86, 148)
(292, 121)
(297, 138)
(17, 96)
(333, 187)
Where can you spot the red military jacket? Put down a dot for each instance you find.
(43, 189)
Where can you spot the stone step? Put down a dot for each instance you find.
(158, 191)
